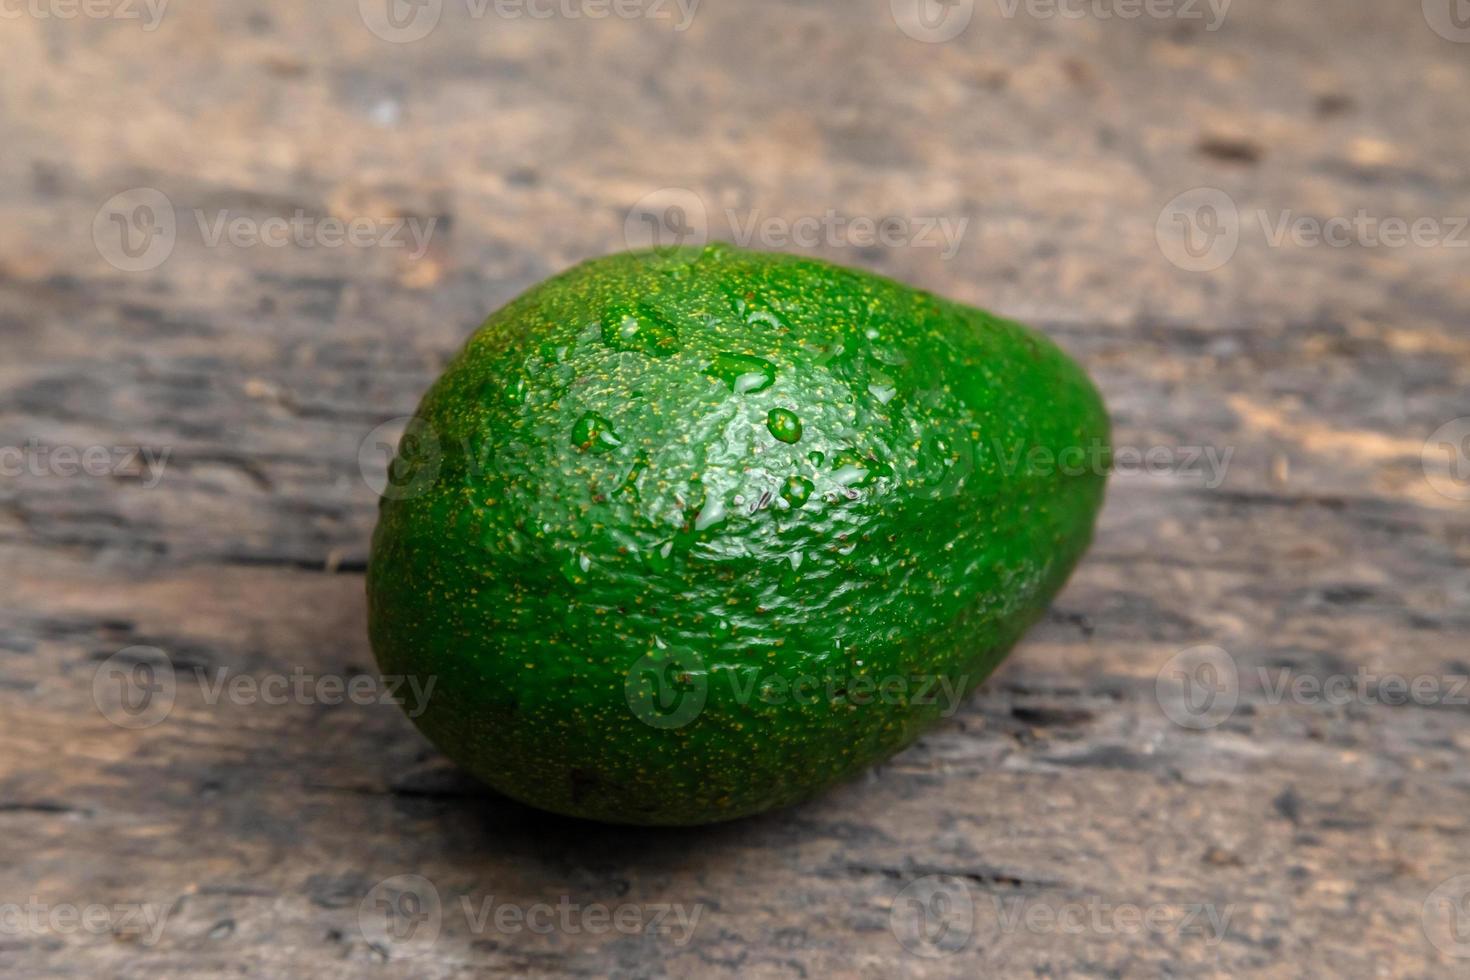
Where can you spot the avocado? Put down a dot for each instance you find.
(685, 534)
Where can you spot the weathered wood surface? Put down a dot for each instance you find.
(1319, 830)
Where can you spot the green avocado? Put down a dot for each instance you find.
(685, 534)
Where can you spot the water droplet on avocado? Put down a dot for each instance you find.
(744, 373)
(639, 330)
(784, 425)
(621, 331)
(764, 318)
(882, 392)
(593, 433)
(857, 470)
(797, 491)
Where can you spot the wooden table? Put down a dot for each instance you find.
(1076, 817)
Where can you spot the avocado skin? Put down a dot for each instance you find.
(597, 486)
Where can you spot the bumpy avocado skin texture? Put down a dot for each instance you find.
(656, 491)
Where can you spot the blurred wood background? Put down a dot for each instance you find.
(1293, 835)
